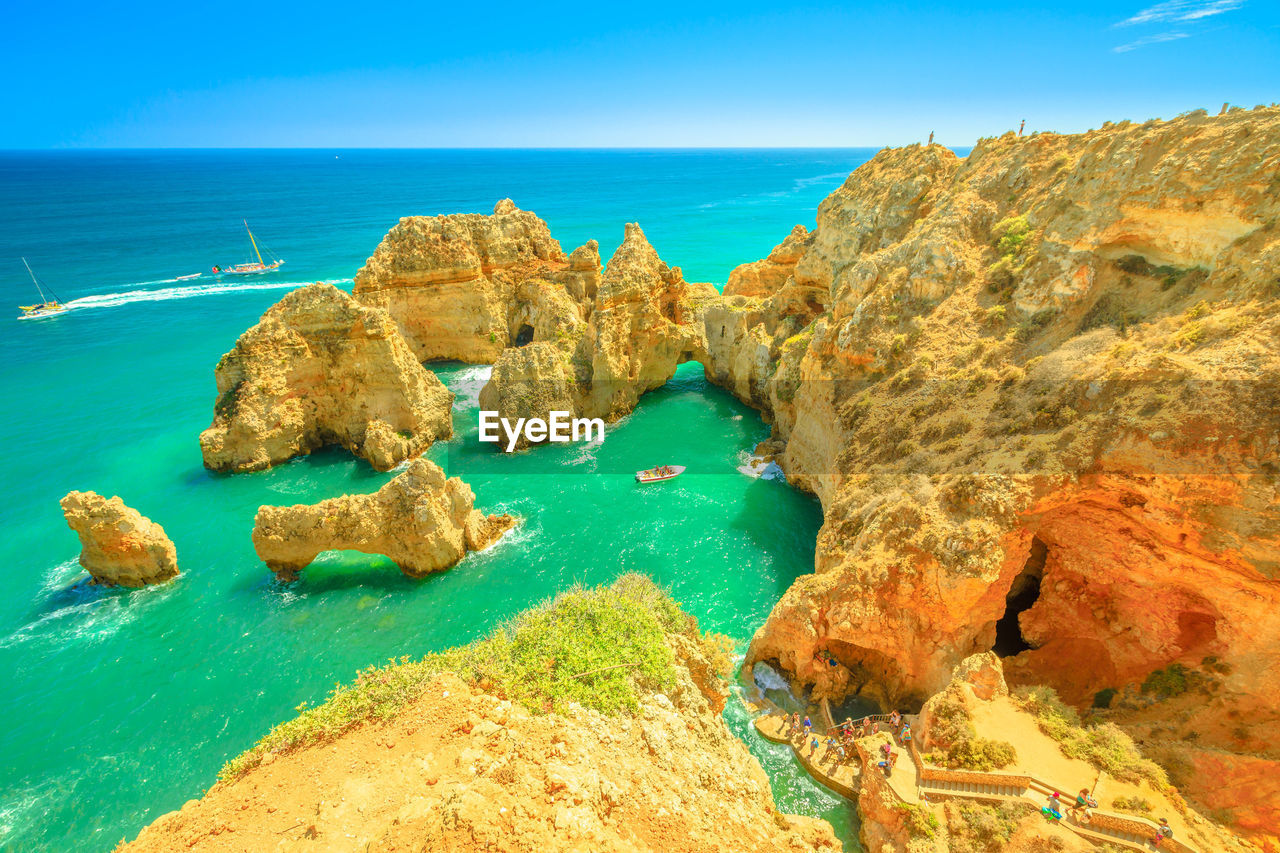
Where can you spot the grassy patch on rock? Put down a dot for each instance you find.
(1103, 745)
(601, 648)
(955, 741)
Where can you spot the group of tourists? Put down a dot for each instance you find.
(1082, 811)
(839, 740)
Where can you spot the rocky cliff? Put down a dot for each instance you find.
(1036, 392)
(118, 545)
(319, 369)
(562, 332)
(450, 281)
(422, 521)
(592, 723)
(643, 321)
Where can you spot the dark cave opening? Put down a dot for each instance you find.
(1022, 595)
(524, 336)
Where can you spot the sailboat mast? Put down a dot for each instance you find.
(35, 281)
(253, 241)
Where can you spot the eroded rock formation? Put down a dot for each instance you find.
(562, 332)
(643, 321)
(1036, 392)
(319, 369)
(450, 281)
(422, 521)
(118, 545)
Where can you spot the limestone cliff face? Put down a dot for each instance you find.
(1050, 368)
(460, 769)
(119, 546)
(424, 522)
(448, 281)
(643, 321)
(320, 369)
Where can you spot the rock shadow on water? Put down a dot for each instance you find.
(327, 462)
(344, 571)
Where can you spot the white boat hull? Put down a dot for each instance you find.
(649, 477)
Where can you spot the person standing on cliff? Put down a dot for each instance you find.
(931, 137)
(1021, 126)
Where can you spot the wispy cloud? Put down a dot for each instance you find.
(1146, 40)
(1180, 11)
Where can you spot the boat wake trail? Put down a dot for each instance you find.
(162, 294)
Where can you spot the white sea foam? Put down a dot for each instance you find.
(757, 468)
(92, 613)
(163, 294)
(586, 452)
(467, 384)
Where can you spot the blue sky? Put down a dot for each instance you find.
(428, 74)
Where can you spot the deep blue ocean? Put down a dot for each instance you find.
(121, 705)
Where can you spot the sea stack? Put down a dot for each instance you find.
(424, 522)
(320, 369)
(119, 546)
(643, 321)
(449, 281)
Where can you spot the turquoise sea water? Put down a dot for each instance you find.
(120, 706)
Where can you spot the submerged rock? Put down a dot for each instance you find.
(422, 521)
(119, 546)
(320, 369)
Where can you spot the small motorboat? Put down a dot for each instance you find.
(657, 475)
(188, 277)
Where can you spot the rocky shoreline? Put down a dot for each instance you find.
(1034, 389)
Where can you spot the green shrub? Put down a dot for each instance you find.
(597, 647)
(906, 447)
(982, 828)
(919, 821)
(1105, 746)
(1174, 680)
(1010, 234)
(1133, 805)
(799, 341)
(1200, 309)
(957, 744)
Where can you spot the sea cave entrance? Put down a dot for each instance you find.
(525, 335)
(1021, 596)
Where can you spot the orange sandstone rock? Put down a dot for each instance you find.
(424, 522)
(119, 546)
(319, 369)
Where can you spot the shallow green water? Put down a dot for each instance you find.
(119, 705)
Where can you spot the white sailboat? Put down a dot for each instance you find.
(252, 267)
(47, 307)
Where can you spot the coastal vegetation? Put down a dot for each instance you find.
(1104, 745)
(956, 744)
(598, 647)
(982, 828)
